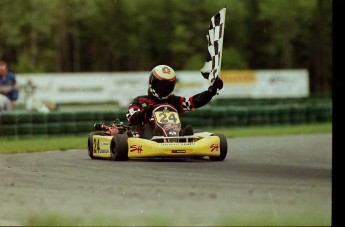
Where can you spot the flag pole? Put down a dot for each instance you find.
(221, 53)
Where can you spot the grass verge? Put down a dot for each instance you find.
(274, 130)
(245, 220)
(37, 144)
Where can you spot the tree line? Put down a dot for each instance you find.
(136, 35)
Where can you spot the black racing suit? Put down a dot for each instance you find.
(135, 114)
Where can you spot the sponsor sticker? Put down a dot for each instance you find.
(214, 147)
(136, 148)
(176, 144)
(103, 151)
(178, 151)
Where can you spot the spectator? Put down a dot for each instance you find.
(8, 86)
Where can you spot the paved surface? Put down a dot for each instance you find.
(270, 180)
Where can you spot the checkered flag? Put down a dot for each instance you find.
(211, 69)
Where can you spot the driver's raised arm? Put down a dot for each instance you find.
(185, 104)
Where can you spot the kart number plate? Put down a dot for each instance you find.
(167, 117)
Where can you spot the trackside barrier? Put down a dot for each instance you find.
(70, 123)
(260, 115)
(22, 123)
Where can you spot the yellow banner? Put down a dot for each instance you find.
(238, 76)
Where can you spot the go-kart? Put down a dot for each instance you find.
(117, 141)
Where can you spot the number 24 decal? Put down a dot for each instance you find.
(96, 146)
(165, 118)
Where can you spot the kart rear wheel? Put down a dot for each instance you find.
(90, 142)
(119, 148)
(223, 149)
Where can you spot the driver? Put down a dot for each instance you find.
(162, 82)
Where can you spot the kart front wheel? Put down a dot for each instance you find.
(223, 149)
(119, 148)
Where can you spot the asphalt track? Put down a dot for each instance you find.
(264, 180)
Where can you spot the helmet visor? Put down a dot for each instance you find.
(163, 87)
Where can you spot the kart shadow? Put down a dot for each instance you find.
(204, 159)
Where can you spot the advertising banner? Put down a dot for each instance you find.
(122, 87)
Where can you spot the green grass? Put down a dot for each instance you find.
(38, 144)
(274, 130)
(245, 220)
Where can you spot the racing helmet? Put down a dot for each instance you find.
(162, 81)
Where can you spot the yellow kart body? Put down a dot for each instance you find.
(202, 144)
(101, 146)
(170, 144)
(199, 145)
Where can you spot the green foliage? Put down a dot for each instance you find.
(130, 35)
(233, 59)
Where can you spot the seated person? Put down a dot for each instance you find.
(8, 87)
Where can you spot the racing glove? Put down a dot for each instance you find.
(216, 86)
(147, 112)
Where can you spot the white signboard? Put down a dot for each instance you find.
(265, 84)
(123, 87)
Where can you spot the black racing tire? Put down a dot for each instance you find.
(223, 149)
(119, 148)
(90, 142)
